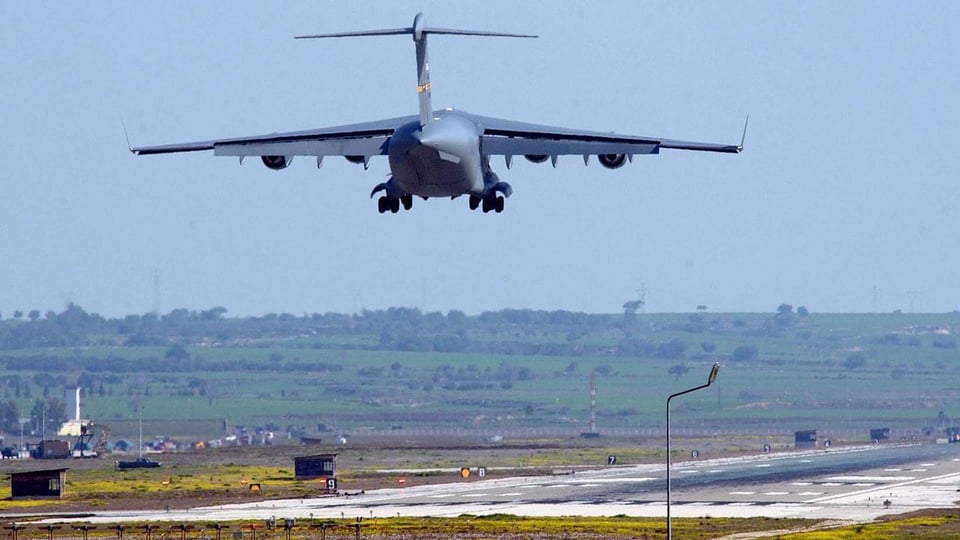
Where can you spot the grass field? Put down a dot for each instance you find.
(822, 371)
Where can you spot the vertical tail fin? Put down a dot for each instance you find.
(419, 31)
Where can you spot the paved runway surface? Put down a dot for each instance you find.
(849, 484)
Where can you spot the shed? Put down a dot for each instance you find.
(316, 466)
(805, 439)
(46, 484)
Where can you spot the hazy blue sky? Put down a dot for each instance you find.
(850, 178)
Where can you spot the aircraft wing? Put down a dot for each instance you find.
(510, 138)
(365, 139)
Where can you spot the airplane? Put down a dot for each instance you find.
(442, 153)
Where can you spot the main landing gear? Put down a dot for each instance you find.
(392, 204)
(492, 203)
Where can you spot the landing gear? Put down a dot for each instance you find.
(494, 204)
(407, 201)
(474, 202)
(389, 204)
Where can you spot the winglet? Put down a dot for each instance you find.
(744, 136)
(127, 137)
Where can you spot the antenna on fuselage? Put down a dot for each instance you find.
(419, 31)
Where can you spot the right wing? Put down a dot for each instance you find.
(509, 138)
(356, 140)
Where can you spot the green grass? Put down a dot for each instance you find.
(799, 381)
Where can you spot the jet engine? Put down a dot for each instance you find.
(354, 159)
(612, 161)
(277, 162)
(536, 158)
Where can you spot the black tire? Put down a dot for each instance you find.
(474, 202)
(394, 205)
(499, 205)
(382, 204)
(407, 201)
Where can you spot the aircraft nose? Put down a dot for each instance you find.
(431, 136)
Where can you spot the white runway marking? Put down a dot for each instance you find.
(762, 465)
(873, 479)
(802, 483)
(777, 493)
(810, 493)
(743, 493)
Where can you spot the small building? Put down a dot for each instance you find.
(46, 484)
(805, 439)
(880, 434)
(316, 466)
(953, 434)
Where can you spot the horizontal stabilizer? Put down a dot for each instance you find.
(386, 32)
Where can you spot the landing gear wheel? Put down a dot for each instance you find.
(488, 204)
(382, 205)
(394, 205)
(407, 201)
(499, 205)
(474, 202)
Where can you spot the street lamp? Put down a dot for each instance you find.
(713, 376)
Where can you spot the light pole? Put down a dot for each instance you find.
(713, 376)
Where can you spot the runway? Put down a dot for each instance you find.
(858, 484)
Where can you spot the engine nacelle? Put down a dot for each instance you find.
(354, 159)
(277, 162)
(536, 158)
(612, 161)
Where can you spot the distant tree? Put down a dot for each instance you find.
(18, 314)
(744, 353)
(855, 361)
(396, 367)
(603, 369)
(678, 370)
(33, 315)
(213, 314)
(9, 416)
(675, 348)
(177, 353)
(943, 342)
(802, 311)
(785, 315)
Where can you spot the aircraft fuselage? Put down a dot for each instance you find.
(440, 159)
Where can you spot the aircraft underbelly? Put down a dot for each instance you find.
(427, 174)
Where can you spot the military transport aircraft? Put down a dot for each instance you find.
(444, 153)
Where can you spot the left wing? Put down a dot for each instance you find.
(356, 140)
(510, 138)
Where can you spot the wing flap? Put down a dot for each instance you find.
(359, 146)
(515, 146)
